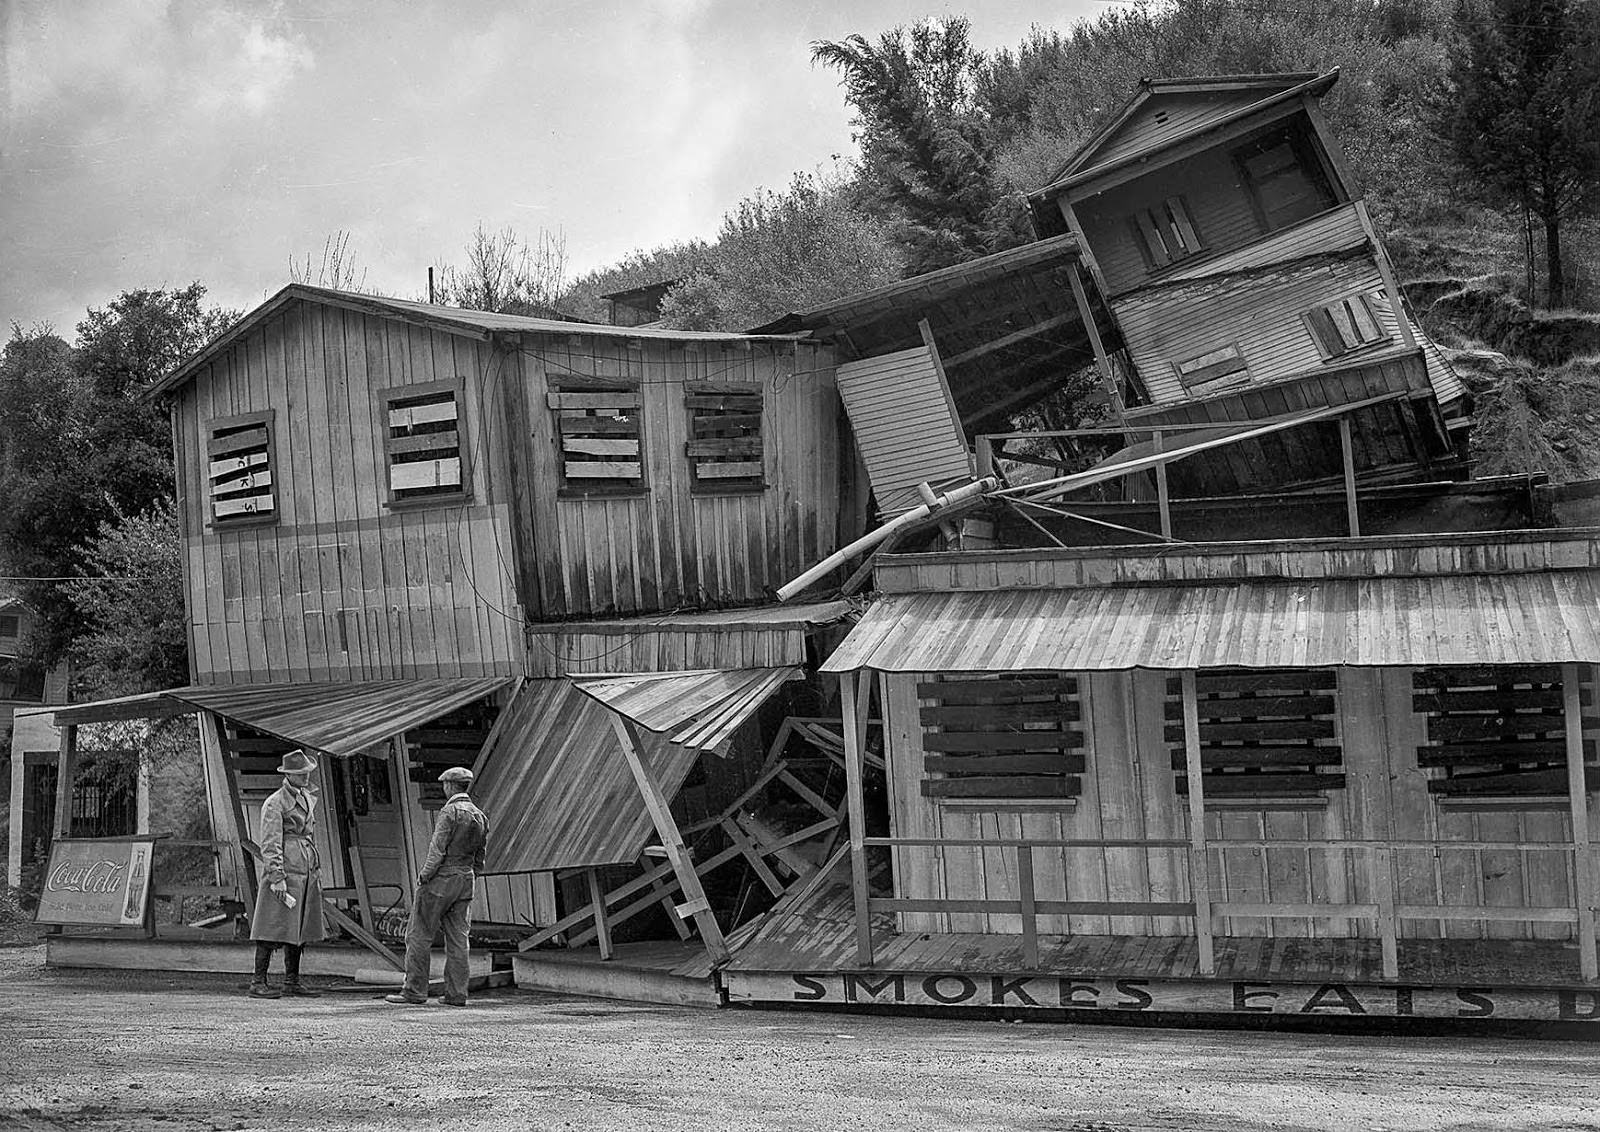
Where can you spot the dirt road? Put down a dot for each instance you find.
(82, 1050)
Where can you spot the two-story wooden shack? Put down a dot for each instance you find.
(406, 524)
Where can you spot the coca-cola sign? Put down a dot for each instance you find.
(101, 880)
(78, 876)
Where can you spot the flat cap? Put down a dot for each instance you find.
(457, 774)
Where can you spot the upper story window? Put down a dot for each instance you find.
(1213, 370)
(1284, 178)
(1346, 324)
(600, 427)
(1164, 232)
(10, 629)
(422, 442)
(239, 473)
(724, 446)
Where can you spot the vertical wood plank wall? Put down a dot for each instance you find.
(343, 586)
(669, 546)
(1129, 791)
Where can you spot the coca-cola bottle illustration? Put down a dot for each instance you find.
(135, 888)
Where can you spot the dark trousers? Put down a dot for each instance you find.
(291, 961)
(442, 903)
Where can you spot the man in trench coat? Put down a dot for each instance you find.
(444, 894)
(288, 910)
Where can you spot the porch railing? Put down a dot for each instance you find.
(1384, 910)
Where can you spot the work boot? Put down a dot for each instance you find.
(299, 990)
(453, 1001)
(405, 1000)
(264, 990)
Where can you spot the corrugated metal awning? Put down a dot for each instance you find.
(553, 778)
(691, 709)
(335, 718)
(1548, 617)
(556, 788)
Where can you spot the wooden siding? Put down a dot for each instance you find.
(1129, 791)
(671, 544)
(1217, 204)
(1261, 314)
(905, 424)
(1166, 117)
(1394, 556)
(555, 651)
(1407, 432)
(341, 585)
(1335, 230)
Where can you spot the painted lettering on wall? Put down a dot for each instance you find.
(1078, 993)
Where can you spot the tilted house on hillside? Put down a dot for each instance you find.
(1232, 246)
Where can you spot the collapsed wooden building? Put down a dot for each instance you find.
(1247, 699)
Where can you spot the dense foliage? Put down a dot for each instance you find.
(82, 450)
(1526, 115)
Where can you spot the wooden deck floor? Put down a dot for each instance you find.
(820, 937)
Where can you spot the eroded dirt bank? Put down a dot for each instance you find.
(84, 1050)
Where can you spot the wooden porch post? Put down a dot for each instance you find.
(853, 692)
(695, 902)
(602, 926)
(66, 767)
(1199, 864)
(222, 799)
(1347, 449)
(1163, 501)
(1578, 796)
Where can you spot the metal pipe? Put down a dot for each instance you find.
(872, 538)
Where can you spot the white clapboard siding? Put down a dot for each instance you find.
(409, 416)
(425, 473)
(905, 425)
(1331, 231)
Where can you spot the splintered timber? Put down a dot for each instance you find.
(1042, 992)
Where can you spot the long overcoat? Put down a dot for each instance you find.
(289, 854)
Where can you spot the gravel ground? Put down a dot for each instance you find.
(144, 1052)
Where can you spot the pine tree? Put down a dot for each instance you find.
(1526, 121)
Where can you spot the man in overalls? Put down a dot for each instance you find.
(288, 911)
(444, 894)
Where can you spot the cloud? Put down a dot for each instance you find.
(147, 53)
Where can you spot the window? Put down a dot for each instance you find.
(20, 681)
(1164, 232)
(1016, 736)
(1285, 180)
(1263, 732)
(1346, 324)
(724, 446)
(600, 430)
(1497, 731)
(239, 476)
(422, 442)
(1217, 369)
(10, 627)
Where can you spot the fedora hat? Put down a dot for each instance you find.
(457, 774)
(297, 762)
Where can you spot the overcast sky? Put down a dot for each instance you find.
(148, 143)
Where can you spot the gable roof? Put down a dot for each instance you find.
(455, 320)
(1136, 130)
